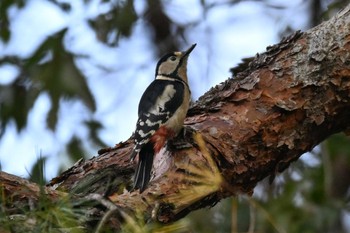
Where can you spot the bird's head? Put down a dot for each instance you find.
(174, 64)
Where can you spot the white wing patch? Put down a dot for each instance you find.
(143, 134)
(157, 113)
(150, 124)
(165, 97)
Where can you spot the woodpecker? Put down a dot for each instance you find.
(161, 112)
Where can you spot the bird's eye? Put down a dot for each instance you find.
(172, 58)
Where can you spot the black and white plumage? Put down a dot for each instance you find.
(162, 110)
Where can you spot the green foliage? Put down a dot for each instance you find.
(43, 216)
(305, 198)
(5, 33)
(51, 217)
(305, 204)
(116, 23)
(136, 224)
(37, 174)
(94, 127)
(75, 149)
(51, 69)
(334, 7)
(17, 99)
(59, 76)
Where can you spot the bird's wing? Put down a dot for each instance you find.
(155, 108)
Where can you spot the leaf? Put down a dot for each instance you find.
(52, 116)
(116, 23)
(94, 127)
(53, 69)
(75, 149)
(338, 144)
(50, 69)
(37, 174)
(16, 100)
(5, 33)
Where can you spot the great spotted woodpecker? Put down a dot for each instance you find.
(162, 110)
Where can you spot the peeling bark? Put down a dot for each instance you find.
(254, 125)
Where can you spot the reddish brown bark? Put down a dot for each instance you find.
(289, 99)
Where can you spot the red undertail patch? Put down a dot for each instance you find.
(160, 137)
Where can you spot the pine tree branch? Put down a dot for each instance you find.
(250, 127)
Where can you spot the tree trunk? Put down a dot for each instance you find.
(251, 126)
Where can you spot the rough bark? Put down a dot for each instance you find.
(252, 126)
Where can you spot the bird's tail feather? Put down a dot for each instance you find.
(144, 167)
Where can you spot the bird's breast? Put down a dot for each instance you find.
(176, 121)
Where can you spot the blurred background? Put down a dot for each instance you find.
(72, 73)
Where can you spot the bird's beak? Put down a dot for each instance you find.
(188, 51)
